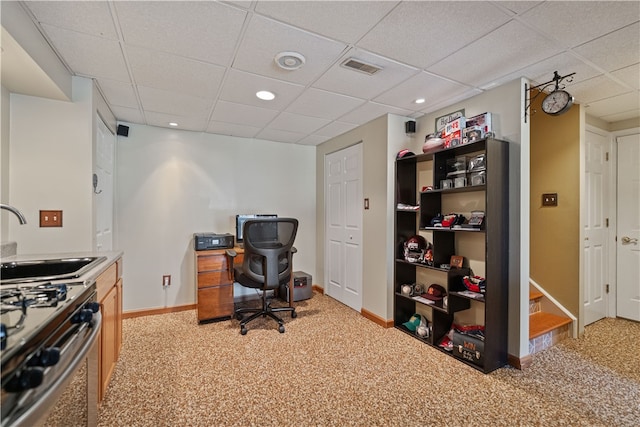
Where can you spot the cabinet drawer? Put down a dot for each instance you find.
(213, 278)
(214, 302)
(106, 281)
(212, 262)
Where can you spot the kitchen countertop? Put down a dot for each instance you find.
(90, 275)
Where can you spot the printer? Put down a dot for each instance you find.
(207, 241)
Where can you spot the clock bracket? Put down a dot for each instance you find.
(555, 83)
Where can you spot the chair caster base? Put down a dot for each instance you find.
(294, 314)
(280, 329)
(243, 331)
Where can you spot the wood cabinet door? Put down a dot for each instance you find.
(108, 339)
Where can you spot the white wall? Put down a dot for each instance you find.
(171, 183)
(4, 163)
(51, 163)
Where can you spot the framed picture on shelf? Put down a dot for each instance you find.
(456, 261)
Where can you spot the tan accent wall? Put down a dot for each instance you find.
(555, 231)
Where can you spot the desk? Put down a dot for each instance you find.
(214, 284)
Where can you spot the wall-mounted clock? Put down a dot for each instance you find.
(557, 102)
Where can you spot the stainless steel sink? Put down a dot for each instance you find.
(47, 269)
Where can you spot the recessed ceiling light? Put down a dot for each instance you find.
(289, 60)
(265, 95)
(419, 101)
(173, 124)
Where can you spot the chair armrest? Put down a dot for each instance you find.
(232, 253)
(293, 250)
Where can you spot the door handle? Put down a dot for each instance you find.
(626, 240)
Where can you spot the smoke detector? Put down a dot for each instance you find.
(289, 60)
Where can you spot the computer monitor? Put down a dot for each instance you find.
(241, 218)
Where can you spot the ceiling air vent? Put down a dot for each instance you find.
(363, 67)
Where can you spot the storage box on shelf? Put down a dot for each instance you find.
(484, 246)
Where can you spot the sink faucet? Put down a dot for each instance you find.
(15, 211)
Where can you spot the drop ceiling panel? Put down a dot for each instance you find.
(118, 93)
(172, 102)
(242, 114)
(241, 87)
(424, 85)
(320, 103)
(126, 114)
(347, 21)
(422, 33)
(223, 128)
(297, 123)
(597, 88)
(197, 123)
(89, 55)
(265, 38)
(89, 17)
(200, 30)
(629, 75)
(496, 54)
(164, 71)
(279, 135)
(615, 50)
(312, 140)
(354, 83)
(618, 105)
(371, 110)
(577, 22)
(335, 128)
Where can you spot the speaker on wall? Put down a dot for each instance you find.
(410, 126)
(123, 130)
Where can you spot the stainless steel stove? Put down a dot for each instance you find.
(46, 331)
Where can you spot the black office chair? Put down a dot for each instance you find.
(268, 263)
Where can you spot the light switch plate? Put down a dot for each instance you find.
(50, 218)
(550, 199)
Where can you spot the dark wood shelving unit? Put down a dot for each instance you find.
(491, 308)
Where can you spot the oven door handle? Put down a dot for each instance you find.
(40, 408)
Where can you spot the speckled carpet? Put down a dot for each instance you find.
(333, 367)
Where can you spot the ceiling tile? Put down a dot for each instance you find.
(164, 71)
(280, 135)
(542, 71)
(242, 114)
(354, 83)
(265, 38)
(118, 93)
(615, 50)
(297, 123)
(201, 30)
(89, 17)
(615, 105)
(312, 140)
(576, 22)
(320, 103)
(223, 128)
(629, 75)
(334, 129)
(172, 102)
(370, 111)
(79, 51)
(341, 20)
(126, 114)
(424, 85)
(517, 7)
(241, 87)
(414, 33)
(192, 122)
(496, 54)
(595, 89)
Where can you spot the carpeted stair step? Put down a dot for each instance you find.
(541, 323)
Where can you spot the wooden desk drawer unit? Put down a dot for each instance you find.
(214, 285)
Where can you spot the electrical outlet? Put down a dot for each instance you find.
(166, 280)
